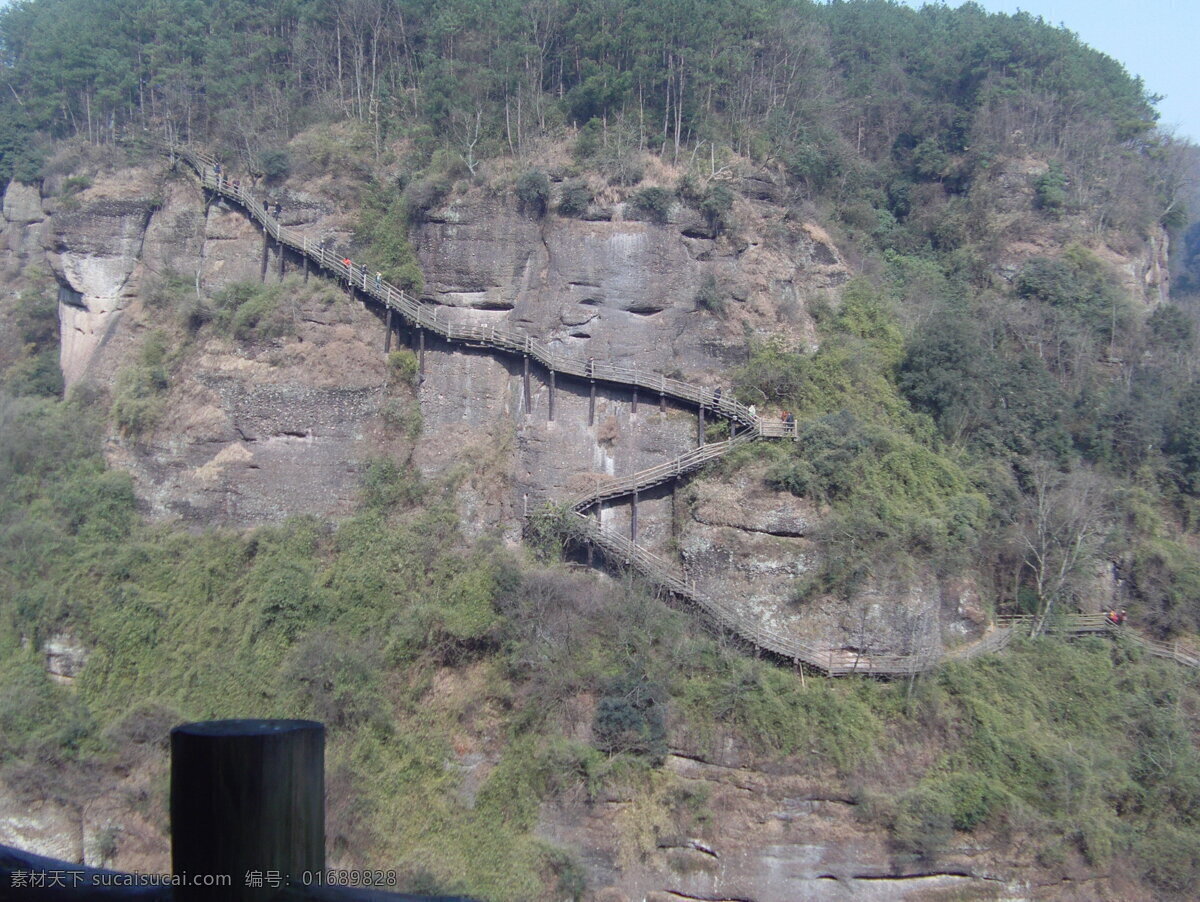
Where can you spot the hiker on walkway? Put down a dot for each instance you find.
(753, 411)
(217, 173)
(378, 281)
(789, 424)
(278, 209)
(717, 395)
(1111, 617)
(1121, 618)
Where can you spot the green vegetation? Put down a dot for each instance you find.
(407, 640)
(709, 297)
(1029, 428)
(36, 372)
(382, 234)
(653, 203)
(140, 389)
(249, 311)
(533, 193)
(575, 199)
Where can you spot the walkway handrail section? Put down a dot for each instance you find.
(422, 316)
(1082, 624)
(672, 469)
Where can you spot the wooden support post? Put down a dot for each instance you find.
(282, 258)
(592, 404)
(246, 795)
(306, 268)
(700, 426)
(599, 504)
(528, 395)
(552, 380)
(387, 341)
(633, 519)
(266, 249)
(662, 402)
(633, 408)
(421, 352)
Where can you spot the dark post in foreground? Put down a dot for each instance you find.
(247, 796)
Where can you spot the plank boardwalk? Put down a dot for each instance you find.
(745, 424)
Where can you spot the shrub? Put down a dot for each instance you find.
(382, 230)
(575, 199)
(248, 311)
(168, 290)
(716, 206)
(630, 718)
(923, 825)
(709, 296)
(653, 203)
(138, 393)
(1050, 190)
(1079, 286)
(74, 184)
(403, 366)
(335, 679)
(533, 193)
(423, 195)
(403, 416)
(385, 485)
(36, 374)
(688, 189)
(194, 314)
(274, 164)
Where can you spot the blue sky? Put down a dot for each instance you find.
(1154, 39)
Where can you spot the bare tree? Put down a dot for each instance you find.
(466, 128)
(1062, 523)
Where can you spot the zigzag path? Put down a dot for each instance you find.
(745, 427)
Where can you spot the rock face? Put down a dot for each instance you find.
(256, 435)
(619, 291)
(255, 431)
(745, 543)
(95, 251)
(778, 837)
(1007, 199)
(248, 437)
(65, 657)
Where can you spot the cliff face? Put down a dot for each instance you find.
(254, 431)
(620, 291)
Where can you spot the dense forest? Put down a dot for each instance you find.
(1030, 423)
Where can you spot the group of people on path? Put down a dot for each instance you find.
(276, 209)
(1116, 618)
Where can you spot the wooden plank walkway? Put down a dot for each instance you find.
(827, 659)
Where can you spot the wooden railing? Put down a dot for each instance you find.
(1100, 624)
(833, 661)
(617, 487)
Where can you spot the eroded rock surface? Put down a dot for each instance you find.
(770, 837)
(746, 544)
